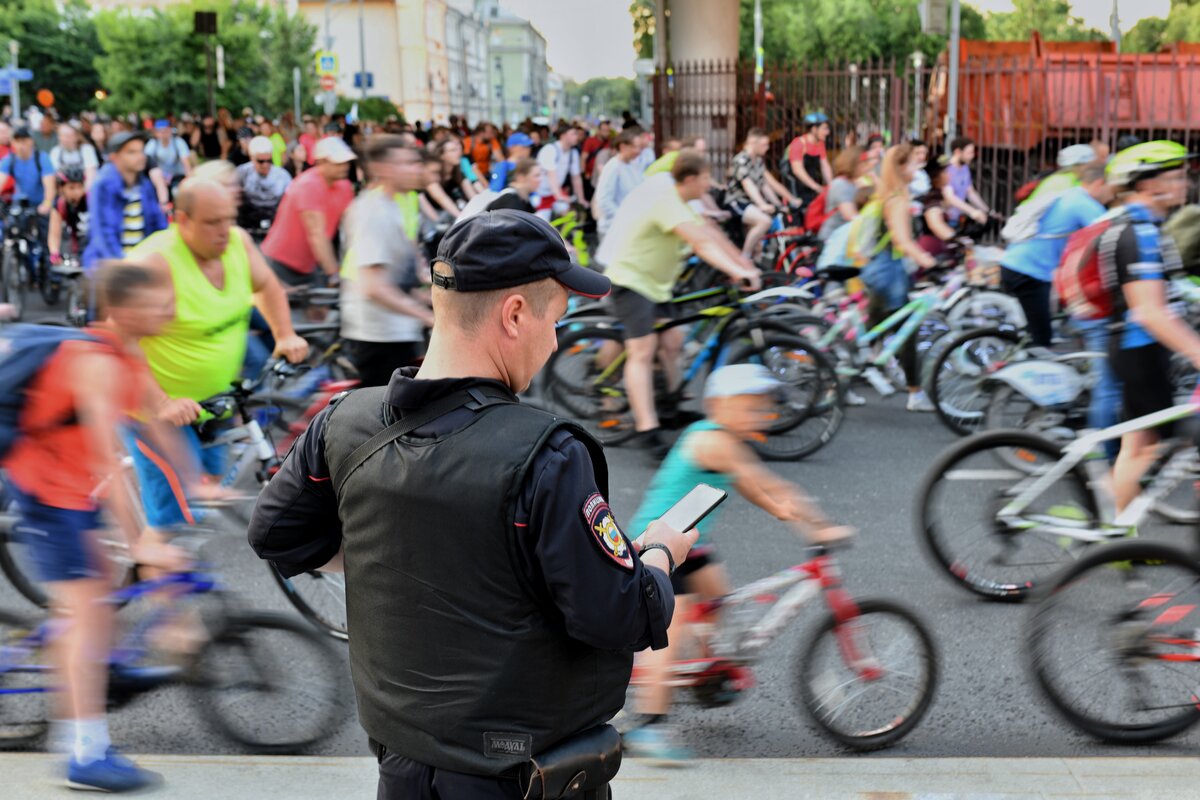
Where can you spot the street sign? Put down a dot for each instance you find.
(8, 73)
(328, 83)
(327, 63)
(933, 16)
(358, 80)
(5, 86)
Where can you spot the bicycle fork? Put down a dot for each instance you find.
(852, 643)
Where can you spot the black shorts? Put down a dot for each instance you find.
(698, 559)
(376, 361)
(292, 279)
(1145, 375)
(637, 313)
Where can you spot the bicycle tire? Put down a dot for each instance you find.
(76, 306)
(602, 410)
(951, 561)
(13, 285)
(300, 589)
(18, 574)
(1009, 409)
(23, 715)
(957, 380)
(812, 394)
(894, 726)
(317, 678)
(1120, 563)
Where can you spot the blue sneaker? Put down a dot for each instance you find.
(113, 773)
(657, 744)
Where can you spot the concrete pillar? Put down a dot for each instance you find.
(701, 29)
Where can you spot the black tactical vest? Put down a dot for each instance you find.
(458, 662)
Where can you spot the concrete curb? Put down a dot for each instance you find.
(36, 776)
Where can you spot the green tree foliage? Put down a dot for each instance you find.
(58, 42)
(374, 109)
(1051, 18)
(644, 23)
(152, 62)
(1146, 36)
(1183, 23)
(609, 96)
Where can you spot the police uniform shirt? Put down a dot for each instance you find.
(571, 547)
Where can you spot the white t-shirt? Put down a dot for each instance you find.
(564, 164)
(82, 157)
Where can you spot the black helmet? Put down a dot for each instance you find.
(71, 175)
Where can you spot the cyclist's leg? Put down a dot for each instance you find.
(1104, 409)
(1034, 297)
(670, 346)
(757, 224)
(1145, 375)
(639, 380)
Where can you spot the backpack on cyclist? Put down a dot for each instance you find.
(817, 212)
(1080, 283)
(24, 350)
(1184, 228)
(868, 235)
(1025, 223)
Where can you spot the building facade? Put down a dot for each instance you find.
(519, 76)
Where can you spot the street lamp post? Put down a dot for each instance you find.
(14, 48)
(362, 51)
(918, 62)
(952, 104)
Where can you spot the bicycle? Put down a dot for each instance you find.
(570, 228)
(22, 257)
(585, 375)
(1113, 642)
(844, 665)
(1030, 506)
(251, 665)
(320, 597)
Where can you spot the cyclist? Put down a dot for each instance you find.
(560, 166)
(961, 196)
(519, 196)
(519, 147)
(122, 202)
(454, 188)
(621, 175)
(33, 175)
(72, 152)
(887, 274)
(170, 153)
(1027, 267)
(267, 130)
(713, 451)
(262, 186)
(1139, 259)
(69, 217)
(593, 146)
(641, 258)
(383, 319)
(6, 133)
(217, 275)
(54, 468)
(753, 193)
(808, 160)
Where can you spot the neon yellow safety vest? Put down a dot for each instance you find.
(199, 353)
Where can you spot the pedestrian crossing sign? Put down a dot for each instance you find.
(327, 63)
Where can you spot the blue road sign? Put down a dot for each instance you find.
(8, 73)
(5, 86)
(358, 80)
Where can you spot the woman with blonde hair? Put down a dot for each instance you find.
(896, 252)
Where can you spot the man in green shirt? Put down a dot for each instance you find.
(643, 257)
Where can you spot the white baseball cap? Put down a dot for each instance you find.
(738, 379)
(261, 145)
(334, 149)
(1076, 155)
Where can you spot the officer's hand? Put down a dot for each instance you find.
(678, 543)
(294, 348)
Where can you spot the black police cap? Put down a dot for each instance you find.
(506, 248)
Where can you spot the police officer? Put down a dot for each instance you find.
(493, 602)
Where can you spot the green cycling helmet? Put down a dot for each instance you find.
(1144, 160)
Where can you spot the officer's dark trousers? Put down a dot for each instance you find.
(402, 778)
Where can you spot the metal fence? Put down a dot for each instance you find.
(1019, 110)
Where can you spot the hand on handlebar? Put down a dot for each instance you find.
(180, 411)
(925, 260)
(293, 348)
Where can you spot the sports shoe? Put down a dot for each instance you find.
(853, 398)
(652, 442)
(657, 743)
(113, 773)
(879, 382)
(917, 401)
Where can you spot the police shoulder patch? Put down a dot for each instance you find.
(608, 536)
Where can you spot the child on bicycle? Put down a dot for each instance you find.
(63, 457)
(68, 217)
(737, 402)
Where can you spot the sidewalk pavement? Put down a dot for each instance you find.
(35, 777)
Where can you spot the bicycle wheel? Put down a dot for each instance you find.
(320, 597)
(14, 283)
(959, 514)
(1012, 410)
(868, 680)
(16, 562)
(985, 308)
(1180, 505)
(958, 385)
(270, 683)
(1113, 645)
(579, 379)
(77, 309)
(808, 411)
(24, 684)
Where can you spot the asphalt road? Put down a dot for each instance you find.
(985, 705)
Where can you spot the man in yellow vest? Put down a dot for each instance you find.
(217, 275)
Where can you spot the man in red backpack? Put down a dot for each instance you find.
(1137, 259)
(58, 468)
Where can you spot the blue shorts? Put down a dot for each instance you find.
(59, 539)
(163, 496)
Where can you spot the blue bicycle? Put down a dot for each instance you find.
(268, 682)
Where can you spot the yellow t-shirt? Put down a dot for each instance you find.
(199, 353)
(640, 251)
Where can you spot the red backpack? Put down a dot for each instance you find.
(1084, 291)
(816, 213)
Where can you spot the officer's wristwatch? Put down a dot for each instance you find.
(660, 546)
